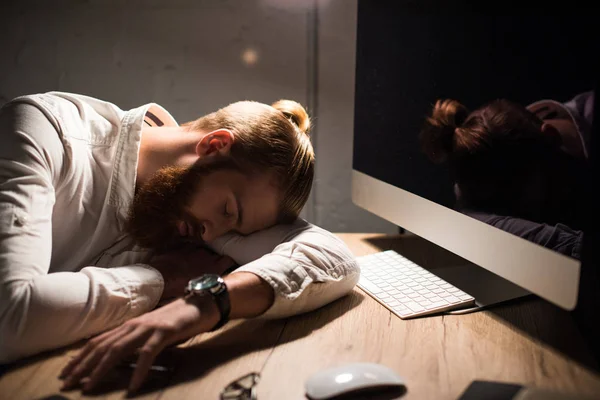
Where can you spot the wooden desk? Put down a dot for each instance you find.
(528, 342)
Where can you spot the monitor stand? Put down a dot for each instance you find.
(486, 287)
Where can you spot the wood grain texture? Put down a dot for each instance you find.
(201, 367)
(528, 342)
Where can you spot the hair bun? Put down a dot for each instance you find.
(295, 113)
(438, 133)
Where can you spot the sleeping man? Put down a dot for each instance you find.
(108, 213)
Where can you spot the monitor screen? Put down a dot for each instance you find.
(504, 183)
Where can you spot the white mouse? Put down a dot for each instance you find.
(351, 378)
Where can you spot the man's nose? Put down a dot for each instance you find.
(213, 230)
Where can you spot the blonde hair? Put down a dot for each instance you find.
(270, 138)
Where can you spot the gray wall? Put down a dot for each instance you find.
(194, 56)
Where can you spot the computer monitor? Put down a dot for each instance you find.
(409, 57)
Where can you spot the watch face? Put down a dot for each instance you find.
(205, 282)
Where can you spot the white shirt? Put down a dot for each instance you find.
(68, 271)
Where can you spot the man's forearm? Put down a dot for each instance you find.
(249, 294)
(306, 266)
(57, 309)
(168, 325)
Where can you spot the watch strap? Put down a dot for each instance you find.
(224, 305)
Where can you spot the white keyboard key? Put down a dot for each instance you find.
(401, 298)
(419, 299)
(452, 299)
(437, 304)
(401, 309)
(414, 306)
(370, 286)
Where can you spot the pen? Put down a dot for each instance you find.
(158, 368)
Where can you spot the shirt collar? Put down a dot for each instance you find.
(122, 186)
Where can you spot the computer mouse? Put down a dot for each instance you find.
(350, 379)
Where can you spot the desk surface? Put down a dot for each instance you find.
(529, 342)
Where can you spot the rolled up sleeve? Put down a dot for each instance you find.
(306, 266)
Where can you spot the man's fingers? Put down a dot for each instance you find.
(83, 367)
(68, 369)
(124, 346)
(90, 345)
(148, 353)
(98, 347)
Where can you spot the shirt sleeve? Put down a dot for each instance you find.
(41, 310)
(581, 108)
(306, 266)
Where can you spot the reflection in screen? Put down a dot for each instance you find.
(520, 168)
(511, 150)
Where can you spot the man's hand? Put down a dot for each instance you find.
(178, 267)
(150, 333)
(147, 335)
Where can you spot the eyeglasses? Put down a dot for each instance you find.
(243, 388)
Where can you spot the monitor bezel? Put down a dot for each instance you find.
(544, 272)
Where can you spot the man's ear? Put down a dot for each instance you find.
(551, 131)
(215, 142)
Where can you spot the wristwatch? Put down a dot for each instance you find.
(215, 286)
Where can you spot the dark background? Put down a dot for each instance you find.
(408, 58)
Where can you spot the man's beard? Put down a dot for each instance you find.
(160, 203)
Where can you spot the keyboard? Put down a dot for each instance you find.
(407, 289)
